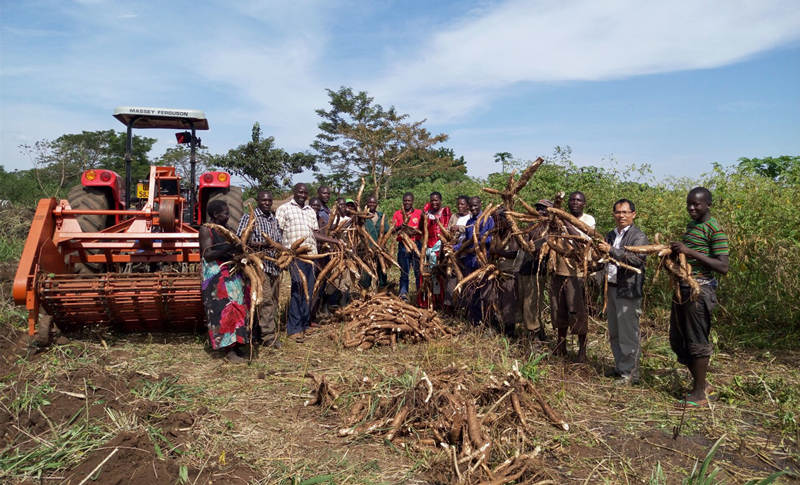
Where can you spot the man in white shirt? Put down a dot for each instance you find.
(624, 298)
(298, 220)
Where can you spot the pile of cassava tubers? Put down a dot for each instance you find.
(452, 411)
(385, 319)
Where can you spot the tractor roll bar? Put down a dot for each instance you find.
(166, 118)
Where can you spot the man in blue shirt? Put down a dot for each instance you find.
(469, 262)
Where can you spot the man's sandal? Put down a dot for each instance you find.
(698, 404)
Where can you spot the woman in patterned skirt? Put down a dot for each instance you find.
(226, 296)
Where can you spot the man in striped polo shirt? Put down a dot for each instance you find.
(706, 248)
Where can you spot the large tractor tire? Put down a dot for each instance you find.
(89, 198)
(233, 197)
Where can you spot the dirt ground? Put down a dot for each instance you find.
(104, 407)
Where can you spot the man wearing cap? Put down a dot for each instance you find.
(532, 280)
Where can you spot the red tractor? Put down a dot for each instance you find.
(95, 259)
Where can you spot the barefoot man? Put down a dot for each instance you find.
(706, 248)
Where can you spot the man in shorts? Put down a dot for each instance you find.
(567, 291)
(705, 245)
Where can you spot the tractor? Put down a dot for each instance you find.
(95, 258)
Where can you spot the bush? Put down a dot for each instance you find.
(16, 221)
(759, 296)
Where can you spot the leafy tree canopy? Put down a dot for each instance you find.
(503, 158)
(262, 165)
(356, 133)
(20, 186)
(785, 168)
(59, 163)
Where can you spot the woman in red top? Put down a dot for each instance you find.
(433, 210)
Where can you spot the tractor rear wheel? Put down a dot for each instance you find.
(233, 197)
(89, 198)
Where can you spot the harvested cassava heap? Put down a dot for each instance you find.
(385, 320)
(478, 423)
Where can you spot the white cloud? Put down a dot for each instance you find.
(550, 41)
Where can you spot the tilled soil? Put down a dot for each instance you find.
(162, 409)
(97, 394)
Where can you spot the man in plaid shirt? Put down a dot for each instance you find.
(298, 220)
(265, 223)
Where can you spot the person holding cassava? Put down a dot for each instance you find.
(705, 245)
(567, 290)
(226, 295)
(624, 295)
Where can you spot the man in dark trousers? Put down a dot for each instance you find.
(532, 281)
(624, 298)
(469, 262)
(567, 290)
(705, 245)
(408, 220)
(265, 223)
(298, 221)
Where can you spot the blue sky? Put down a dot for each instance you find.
(678, 84)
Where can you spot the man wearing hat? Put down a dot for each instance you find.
(532, 279)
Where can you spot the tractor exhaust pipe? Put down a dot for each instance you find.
(128, 150)
(192, 162)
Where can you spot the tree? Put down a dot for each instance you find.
(380, 143)
(179, 156)
(19, 186)
(502, 158)
(58, 164)
(785, 168)
(262, 165)
(440, 165)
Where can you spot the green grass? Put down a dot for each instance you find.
(30, 398)
(164, 390)
(533, 369)
(60, 449)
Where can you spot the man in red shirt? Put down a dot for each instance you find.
(407, 224)
(433, 215)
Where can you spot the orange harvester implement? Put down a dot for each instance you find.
(139, 285)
